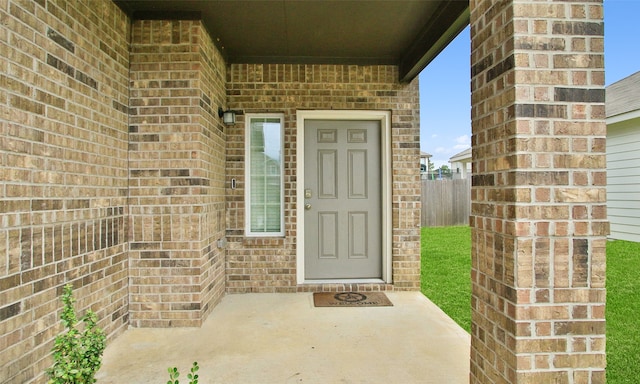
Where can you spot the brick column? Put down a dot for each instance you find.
(538, 196)
(177, 146)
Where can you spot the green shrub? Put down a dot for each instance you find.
(193, 376)
(77, 354)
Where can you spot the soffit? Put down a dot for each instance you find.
(407, 33)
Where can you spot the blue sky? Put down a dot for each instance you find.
(445, 95)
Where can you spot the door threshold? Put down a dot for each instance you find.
(345, 281)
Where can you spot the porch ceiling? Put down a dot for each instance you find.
(407, 33)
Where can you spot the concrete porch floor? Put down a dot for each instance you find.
(283, 338)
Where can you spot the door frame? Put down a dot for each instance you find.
(384, 117)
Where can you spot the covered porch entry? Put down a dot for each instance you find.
(121, 178)
(283, 338)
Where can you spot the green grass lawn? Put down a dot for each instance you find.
(446, 268)
(623, 312)
(446, 265)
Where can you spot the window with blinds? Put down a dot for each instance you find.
(264, 171)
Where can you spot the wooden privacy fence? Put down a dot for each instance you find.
(446, 202)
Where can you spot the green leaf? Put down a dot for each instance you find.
(77, 355)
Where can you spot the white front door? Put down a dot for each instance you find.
(343, 199)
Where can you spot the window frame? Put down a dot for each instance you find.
(249, 117)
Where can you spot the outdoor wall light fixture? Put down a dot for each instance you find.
(228, 116)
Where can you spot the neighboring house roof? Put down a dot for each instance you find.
(624, 96)
(406, 33)
(461, 157)
(424, 155)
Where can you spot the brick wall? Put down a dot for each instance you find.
(177, 173)
(63, 175)
(538, 197)
(269, 265)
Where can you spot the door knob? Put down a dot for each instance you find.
(307, 206)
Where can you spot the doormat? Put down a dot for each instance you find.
(351, 299)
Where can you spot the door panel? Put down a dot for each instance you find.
(358, 235)
(328, 235)
(357, 178)
(327, 174)
(343, 227)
